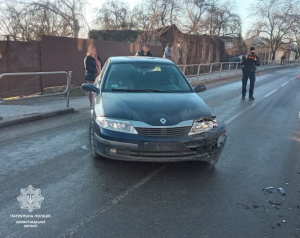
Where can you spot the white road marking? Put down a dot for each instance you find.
(292, 79)
(239, 114)
(283, 70)
(271, 93)
(113, 202)
(284, 84)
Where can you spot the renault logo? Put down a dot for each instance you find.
(163, 120)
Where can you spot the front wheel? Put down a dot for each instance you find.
(94, 154)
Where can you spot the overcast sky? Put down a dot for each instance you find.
(242, 9)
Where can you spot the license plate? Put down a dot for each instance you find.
(163, 146)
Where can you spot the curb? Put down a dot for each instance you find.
(37, 117)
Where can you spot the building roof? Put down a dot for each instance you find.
(257, 41)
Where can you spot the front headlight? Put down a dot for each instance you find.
(202, 126)
(116, 125)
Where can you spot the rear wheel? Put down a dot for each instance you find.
(94, 154)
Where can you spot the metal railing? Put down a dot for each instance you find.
(218, 68)
(65, 92)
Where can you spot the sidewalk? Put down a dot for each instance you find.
(26, 108)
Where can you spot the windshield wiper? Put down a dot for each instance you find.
(140, 90)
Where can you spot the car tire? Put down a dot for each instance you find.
(94, 154)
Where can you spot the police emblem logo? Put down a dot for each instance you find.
(30, 198)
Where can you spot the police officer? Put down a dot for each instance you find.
(249, 63)
(145, 51)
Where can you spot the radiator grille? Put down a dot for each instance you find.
(164, 131)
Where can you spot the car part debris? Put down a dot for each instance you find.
(282, 191)
(269, 189)
(275, 202)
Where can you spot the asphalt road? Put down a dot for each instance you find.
(109, 199)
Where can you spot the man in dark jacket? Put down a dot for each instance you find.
(145, 51)
(282, 60)
(249, 64)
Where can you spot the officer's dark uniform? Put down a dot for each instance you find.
(249, 68)
(141, 53)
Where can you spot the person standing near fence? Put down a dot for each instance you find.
(168, 54)
(93, 66)
(282, 60)
(249, 64)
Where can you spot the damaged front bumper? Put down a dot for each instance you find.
(206, 146)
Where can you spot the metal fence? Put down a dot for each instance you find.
(65, 92)
(218, 69)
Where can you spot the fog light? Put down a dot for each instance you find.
(113, 150)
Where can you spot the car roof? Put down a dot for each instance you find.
(136, 59)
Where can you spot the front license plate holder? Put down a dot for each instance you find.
(163, 146)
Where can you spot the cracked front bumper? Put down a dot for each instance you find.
(207, 146)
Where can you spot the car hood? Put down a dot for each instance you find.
(151, 107)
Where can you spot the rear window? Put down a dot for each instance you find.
(145, 76)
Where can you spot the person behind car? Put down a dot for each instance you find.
(145, 51)
(249, 64)
(282, 59)
(93, 66)
(168, 54)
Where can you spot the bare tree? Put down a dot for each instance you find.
(296, 29)
(22, 23)
(115, 15)
(71, 12)
(274, 22)
(9, 20)
(150, 14)
(222, 21)
(30, 20)
(211, 17)
(296, 34)
(196, 11)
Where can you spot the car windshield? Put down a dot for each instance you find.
(145, 77)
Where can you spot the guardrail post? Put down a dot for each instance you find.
(69, 87)
(184, 69)
(210, 71)
(236, 68)
(198, 73)
(221, 68)
(229, 67)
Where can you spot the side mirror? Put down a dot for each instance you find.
(90, 88)
(200, 88)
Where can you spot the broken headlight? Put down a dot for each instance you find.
(116, 125)
(200, 126)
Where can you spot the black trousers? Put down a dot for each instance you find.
(251, 76)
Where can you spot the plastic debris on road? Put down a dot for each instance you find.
(282, 191)
(275, 202)
(269, 189)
